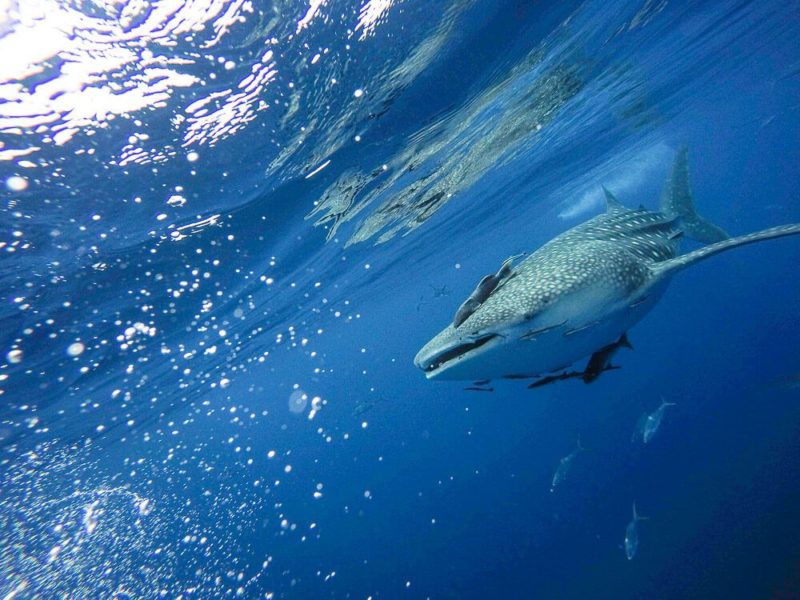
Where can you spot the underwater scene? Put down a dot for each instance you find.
(399, 299)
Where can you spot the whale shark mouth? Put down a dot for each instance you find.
(441, 360)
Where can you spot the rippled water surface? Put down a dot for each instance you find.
(227, 226)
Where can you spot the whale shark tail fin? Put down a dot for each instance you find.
(677, 202)
(669, 267)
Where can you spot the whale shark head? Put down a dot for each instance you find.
(452, 353)
(491, 341)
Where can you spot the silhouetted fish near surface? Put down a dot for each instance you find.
(478, 389)
(580, 292)
(440, 292)
(364, 406)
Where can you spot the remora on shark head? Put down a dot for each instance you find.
(579, 293)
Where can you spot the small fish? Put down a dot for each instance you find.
(632, 534)
(440, 292)
(553, 378)
(483, 290)
(599, 362)
(650, 423)
(535, 333)
(474, 388)
(564, 465)
(566, 375)
(637, 433)
(364, 406)
(767, 121)
(789, 382)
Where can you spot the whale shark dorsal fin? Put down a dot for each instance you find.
(612, 204)
(673, 265)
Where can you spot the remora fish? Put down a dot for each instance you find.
(484, 289)
(580, 292)
(600, 360)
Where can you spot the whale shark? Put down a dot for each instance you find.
(580, 293)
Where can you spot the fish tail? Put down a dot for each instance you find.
(637, 516)
(677, 202)
(625, 342)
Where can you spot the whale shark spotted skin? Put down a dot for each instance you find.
(583, 290)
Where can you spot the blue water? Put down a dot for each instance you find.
(228, 227)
